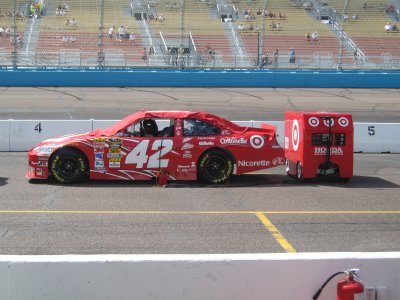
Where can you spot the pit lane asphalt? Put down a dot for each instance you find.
(252, 214)
(255, 213)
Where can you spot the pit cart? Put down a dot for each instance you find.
(319, 144)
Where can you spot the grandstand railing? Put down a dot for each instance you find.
(34, 41)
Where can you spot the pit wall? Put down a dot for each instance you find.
(285, 276)
(21, 135)
(199, 78)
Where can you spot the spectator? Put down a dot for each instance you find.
(354, 17)
(275, 58)
(121, 32)
(65, 39)
(72, 22)
(72, 39)
(355, 57)
(19, 41)
(278, 26)
(389, 27)
(264, 59)
(272, 25)
(282, 16)
(308, 37)
(132, 37)
(2, 31)
(144, 56)
(8, 31)
(161, 18)
(66, 22)
(292, 57)
(241, 27)
(111, 32)
(345, 17)
(259, 12)
(174, 56)
(315, 36)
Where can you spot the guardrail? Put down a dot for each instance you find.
(285, 276)
(21, 135)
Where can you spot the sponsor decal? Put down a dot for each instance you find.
(204, 143)
(39, 171)
(225, 132)
(114, 159)
(286, 142)
(187, 154)
(233, 141)
(99, 140)
(114, 150)
(45, 150)
(295, 135)
(114, 164)
(99, 156)
(187, 146)
(257, 163)
(114, 155)
(212, 138)
(99, 164)
(329, 122)
(323, 150)
(313, 121)
(343, 121)
(187, 139)
(42, 163)
(278, 161)
(256, 141)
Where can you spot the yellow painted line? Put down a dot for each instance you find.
(275, 233)
(161, 212)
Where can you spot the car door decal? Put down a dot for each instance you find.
(139, 154)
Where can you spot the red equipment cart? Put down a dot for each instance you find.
(319, 144)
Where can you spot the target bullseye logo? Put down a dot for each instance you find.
(295, 135)
(313, 121)
(256, 141)
(344, 122)
(329, 122)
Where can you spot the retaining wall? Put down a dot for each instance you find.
(199, 78)
(221, 276)
(21, 135)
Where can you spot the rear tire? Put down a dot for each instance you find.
(215, 166)
(299, 172)
(68, 166)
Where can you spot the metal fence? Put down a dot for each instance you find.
(199, 34)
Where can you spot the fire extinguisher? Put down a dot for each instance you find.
(349, 288)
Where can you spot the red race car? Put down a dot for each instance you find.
(173, 145)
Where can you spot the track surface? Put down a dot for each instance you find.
(252, 214)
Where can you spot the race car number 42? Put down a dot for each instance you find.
(140, 157)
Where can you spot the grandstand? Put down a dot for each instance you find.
(202, 33)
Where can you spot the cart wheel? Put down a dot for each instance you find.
(299, 171)
(287, 166)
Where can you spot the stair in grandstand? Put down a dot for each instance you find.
(27, 54)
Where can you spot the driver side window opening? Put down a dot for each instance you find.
(151, 127)
(194, 127)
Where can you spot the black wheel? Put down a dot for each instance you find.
(215, 166)
(287, 166)
(299, 171)
(68, 166)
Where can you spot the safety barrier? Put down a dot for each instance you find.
(284, 276)
(21, 135)
(200, 78)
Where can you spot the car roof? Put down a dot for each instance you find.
(213, 119)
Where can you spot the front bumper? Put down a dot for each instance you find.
(38, 166)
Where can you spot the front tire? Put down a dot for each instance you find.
(215, 166)
(68, 166)
(299, 172)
